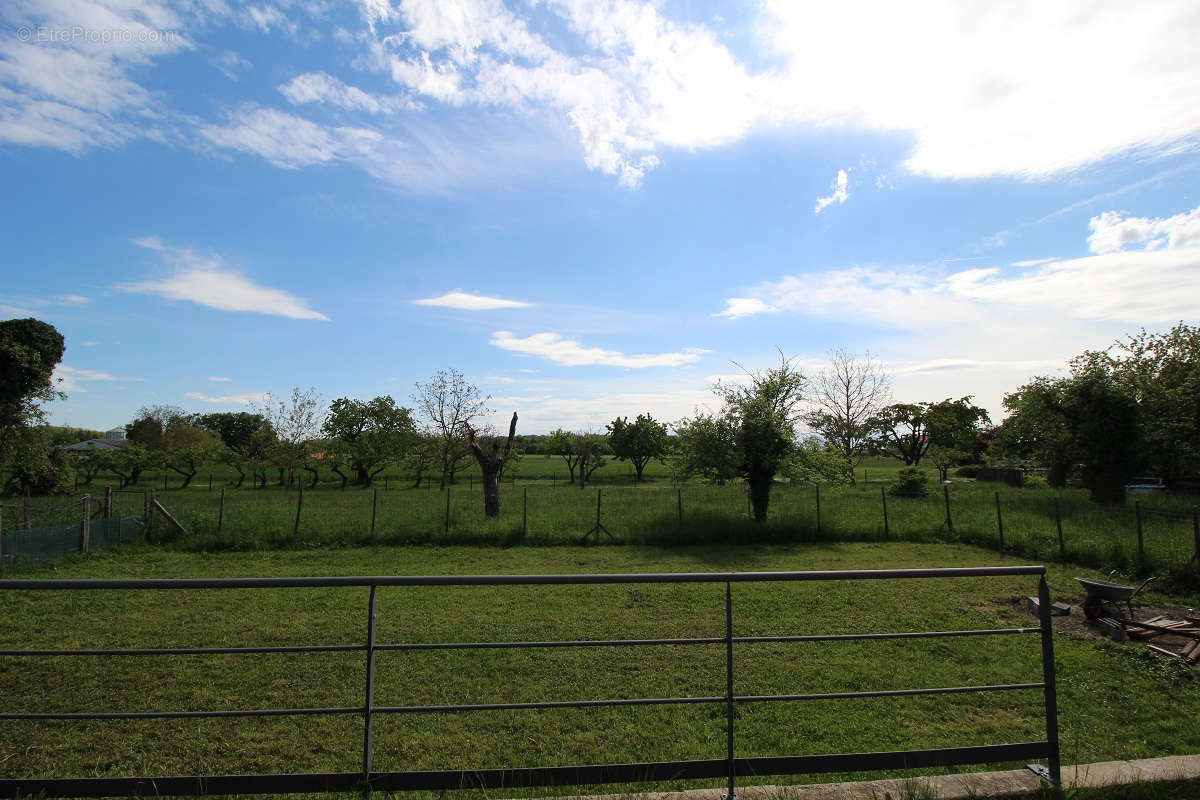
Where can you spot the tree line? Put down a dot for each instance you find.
(1133, 408)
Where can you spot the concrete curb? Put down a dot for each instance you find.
(1012, 783)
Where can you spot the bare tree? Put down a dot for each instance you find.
(295, 424)
(449, 403)
(492, 464)
(848, 396)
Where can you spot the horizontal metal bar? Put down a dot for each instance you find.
(638, 701)
(513, 580)
(997, 687)
(565, 643)
(519, 776)
(262, 712)
(851, 637)
(192, 651)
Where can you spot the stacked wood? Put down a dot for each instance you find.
(1156, 628)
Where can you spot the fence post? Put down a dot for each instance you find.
(447, 526)
(949, 519)
(1137, 514)
(1196, 535)
(85, 526)
(108, 502)
(299, 505)
(148, 497)
(999, 521)
(729, 686)
(221, 511)
(28, 518)
(679, 512)
(1, 541)
(369, 705)
(818, 509)
(1062, 545)
(597, 515)
(524, 511)
(883, 495)
(210, 481)
(374, 510)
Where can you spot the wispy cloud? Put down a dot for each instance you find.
(840, 194)
(208, 282)
(71, 379)
(219, 379)
(464, 301)
(242, 399)
(571, 353)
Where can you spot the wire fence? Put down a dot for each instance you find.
(99, 525)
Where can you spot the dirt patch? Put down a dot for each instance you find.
(1079, 625)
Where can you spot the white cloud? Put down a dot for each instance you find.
(70, 379)
(841, 192)
(1113, 231)
(207, 282)
(568, 352)
(320, 87)
(1033, 262)
(219, 379)
(744, 307)
(243, 399)
(289, 141)
(465, 301)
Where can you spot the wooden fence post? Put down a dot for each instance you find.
(949, 519)
(148, 497)
(524, 512)
(883, 495)
(108, 494)
(210, 481)
(999, 521)
(374, 510)
(679, 512)
(85, 527)
(299, 505)
(1137, 515)
(447, 527)
(28, 505)
(221, 511)
(818, 509)
(1062, 545)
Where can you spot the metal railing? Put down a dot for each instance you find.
(729, 766)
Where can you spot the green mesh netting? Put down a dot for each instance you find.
(51, 543)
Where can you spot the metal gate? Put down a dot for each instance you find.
(727, 765)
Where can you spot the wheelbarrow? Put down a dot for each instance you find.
(1101, 593)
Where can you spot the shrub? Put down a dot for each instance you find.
(912, 483)
(1035, 480)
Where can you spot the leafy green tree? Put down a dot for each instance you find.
(29, 351)
(908, 430)
(639, 442)
(705, 447)
(753, 437)
(248, 439)
(368, 435)
(812, 461)
(169, 434)
(296, 422)
(1038, 428)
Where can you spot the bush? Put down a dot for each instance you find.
(1035, 480)
(912, 483)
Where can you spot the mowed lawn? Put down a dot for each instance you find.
(1116, 702)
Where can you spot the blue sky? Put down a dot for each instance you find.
(591, 209)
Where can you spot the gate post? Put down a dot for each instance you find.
(1051, 692)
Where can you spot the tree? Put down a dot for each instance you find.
(1037, 428)
(369, 435)
(908, 430)
(639, 442)
(592, 449)
(29, 351)
(763, 415)
(565, 445)
(295, 424)
(168, 433)
(491, 464)
(812, 461)
(248, 439)
(848, 396)
(448, 403)
(705, 446)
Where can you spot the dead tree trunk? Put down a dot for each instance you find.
(491, 464)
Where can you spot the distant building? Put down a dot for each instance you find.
(113, 440)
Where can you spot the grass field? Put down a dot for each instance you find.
(1115, 702)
